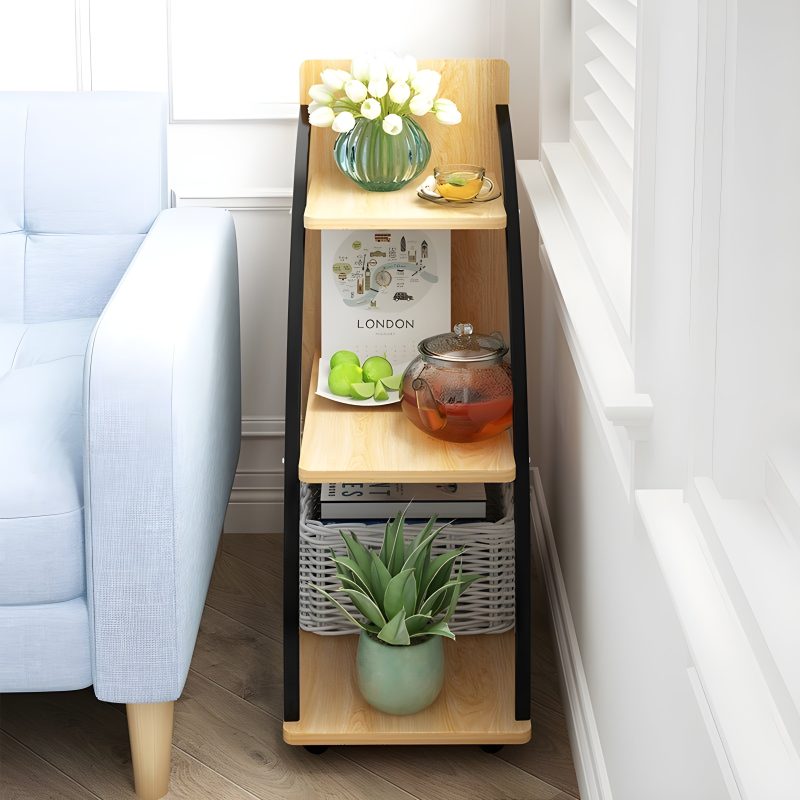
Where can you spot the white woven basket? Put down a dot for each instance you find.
(486, 607)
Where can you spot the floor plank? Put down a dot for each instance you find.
(264, 551)
(247, 593)
(434, 773)
(548, 756)
(245, 744)
(25, 776)
(244, 661)
(88, 740)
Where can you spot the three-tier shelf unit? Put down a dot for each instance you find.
(486, 696)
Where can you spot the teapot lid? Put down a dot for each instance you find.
(464, 345)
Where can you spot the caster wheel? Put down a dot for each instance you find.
(316, 749)
(491, 748)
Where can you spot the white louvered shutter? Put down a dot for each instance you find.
(604, 83)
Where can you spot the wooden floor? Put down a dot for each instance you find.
(227, 745)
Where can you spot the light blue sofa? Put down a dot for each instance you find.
(119, 408)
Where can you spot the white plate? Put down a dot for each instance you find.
(323, 391)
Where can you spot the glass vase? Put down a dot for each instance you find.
(378, 161)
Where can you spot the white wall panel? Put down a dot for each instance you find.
(129, 45)
(758, 336)
(38, 45)
(239, 59)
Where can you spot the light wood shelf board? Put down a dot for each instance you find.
(347, 443)
(476, 705)
(334, 202)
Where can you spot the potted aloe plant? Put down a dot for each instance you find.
(407, 599)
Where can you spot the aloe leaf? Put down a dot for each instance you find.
(366, 605)
(455, 593)
(386, 545)
(437, 629)
(398, 551)
(380, 578)
(395, 597)
(395, 631)
(341, 608)
(438, 572)
(396, 555)
(436, 600)
(449, 600)
(391, 546)
(427, 528)
(410, 594)
(416, 622)
(420, 543)
(353, 570)
(357, 551)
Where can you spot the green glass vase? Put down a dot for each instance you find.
(378, 161)
(400, 679)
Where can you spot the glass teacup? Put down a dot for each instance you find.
(459, 181)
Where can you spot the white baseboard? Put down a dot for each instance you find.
(256, 504)
(587, 752)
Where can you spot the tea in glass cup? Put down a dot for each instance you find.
(459, 181)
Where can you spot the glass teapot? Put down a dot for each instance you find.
(459, 386)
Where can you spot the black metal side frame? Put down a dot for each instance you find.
(291, 478)
(294, 348)
(519, 381)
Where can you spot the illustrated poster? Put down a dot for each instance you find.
(384, 291)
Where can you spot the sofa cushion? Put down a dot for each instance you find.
(41, 461)
(82, 178)
(45, 648)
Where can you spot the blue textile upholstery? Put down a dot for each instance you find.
(119, 399)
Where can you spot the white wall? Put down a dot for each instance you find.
(231, 69)
(674, 579)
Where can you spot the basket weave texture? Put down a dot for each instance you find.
(486, 607)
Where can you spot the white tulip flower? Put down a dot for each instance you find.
(370, 108)
(420, 105)
(392, 124)
(399, 93)
(313, 106)
(334, 79)
(322, 117)
(377, 70)
(449, 116)
(343, 122)
(426, 81)
(398, 70)
(443, 104)
(378, 88)
(321, 93)
(356, 91)
(360, 69)
(411, 65)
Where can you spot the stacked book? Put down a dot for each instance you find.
(380, 501)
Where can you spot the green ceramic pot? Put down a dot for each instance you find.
(400, 679)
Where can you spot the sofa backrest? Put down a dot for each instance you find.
(82, 178)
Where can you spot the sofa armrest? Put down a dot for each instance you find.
(162, 403)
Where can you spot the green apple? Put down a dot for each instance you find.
(344, 357)
(375, 368)
(342, 377)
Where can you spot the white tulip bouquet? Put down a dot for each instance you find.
(386, 87)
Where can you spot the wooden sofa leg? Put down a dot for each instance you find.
(150, 732)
